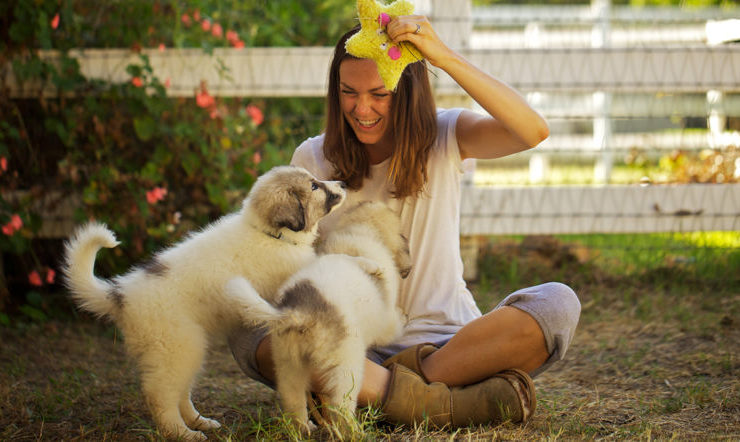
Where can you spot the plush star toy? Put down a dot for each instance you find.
(373, 42)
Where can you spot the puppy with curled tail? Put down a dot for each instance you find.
(170, 307)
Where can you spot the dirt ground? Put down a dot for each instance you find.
(663, 376)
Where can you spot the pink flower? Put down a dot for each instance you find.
(205, 25)
(50, 276)
(186, 20)
(136, 81)
(232, 36)
(204, 99)
(55, 22)
(217, 30)
(214, 113)
(35, 279)
(238, 44)
(257, 158)
(3, 164)
(167, 83)
(161, 47)
(13, 225)
(196, 15)
(256, 114)
(156, 194)
(16, 221)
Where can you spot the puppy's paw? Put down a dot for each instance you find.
(311, 427)
(188, 435)
(368, 266)
(204, 423)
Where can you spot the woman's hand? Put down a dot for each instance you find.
(511, 124)
(417, 30)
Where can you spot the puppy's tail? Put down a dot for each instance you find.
(93, 294)
(252, 307)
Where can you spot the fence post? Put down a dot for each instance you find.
(602, 126)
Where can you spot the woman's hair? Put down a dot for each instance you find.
(413, 125)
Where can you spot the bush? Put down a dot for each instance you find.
(150, 166)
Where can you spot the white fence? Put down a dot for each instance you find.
(557, 80)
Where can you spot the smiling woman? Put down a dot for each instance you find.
(395, 147)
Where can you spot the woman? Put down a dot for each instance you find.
(452, 365)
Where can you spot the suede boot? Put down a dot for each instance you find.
(410, 400)
(411, 358)
(508, 395)
(505, 396)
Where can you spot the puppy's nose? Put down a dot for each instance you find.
(343, 185)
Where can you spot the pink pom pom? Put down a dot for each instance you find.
(394, 53)
(384, 19)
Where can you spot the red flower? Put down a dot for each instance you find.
(217, 30)
(196, 15)
(3, 164)
(55, 22)
(35, 279)
(238, 44)
(16, 222)
(205, 25)
(256, 114)
(186, 20)
(232, 36)
(161, 47)
(13, 225)
(50, 276)
(136, 81)
(156, 194)
(167, 83)
(257, 158)
(204, 99)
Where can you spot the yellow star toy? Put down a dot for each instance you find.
(373, 42)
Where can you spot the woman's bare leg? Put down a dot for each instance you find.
(503, 338)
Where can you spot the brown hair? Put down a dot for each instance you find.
(414, 128)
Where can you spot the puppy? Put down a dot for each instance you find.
(169, 307)
(327, 314)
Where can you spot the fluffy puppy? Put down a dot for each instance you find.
(327, 314)
(169, 307)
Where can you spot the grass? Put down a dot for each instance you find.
(655, 357)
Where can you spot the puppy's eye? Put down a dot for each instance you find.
(314, 186)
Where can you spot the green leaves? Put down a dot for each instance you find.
(145, 127)
(152, 167)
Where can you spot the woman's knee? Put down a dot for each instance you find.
(566, 296)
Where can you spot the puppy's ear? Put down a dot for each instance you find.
(291, 214)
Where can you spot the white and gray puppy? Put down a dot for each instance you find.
(168, 308)
(327, 314)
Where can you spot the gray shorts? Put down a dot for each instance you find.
(553, 305)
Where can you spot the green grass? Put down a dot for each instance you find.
(655, 357)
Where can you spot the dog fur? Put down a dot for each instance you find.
(327, 314)
(168, 308)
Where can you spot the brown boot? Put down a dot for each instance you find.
(411, 400)
(411, 357)
(505, 396)
(508, 395)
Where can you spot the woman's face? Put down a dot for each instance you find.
(365, 102)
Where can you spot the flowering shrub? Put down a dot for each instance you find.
(151, 167)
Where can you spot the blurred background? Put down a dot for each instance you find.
(156, 117)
